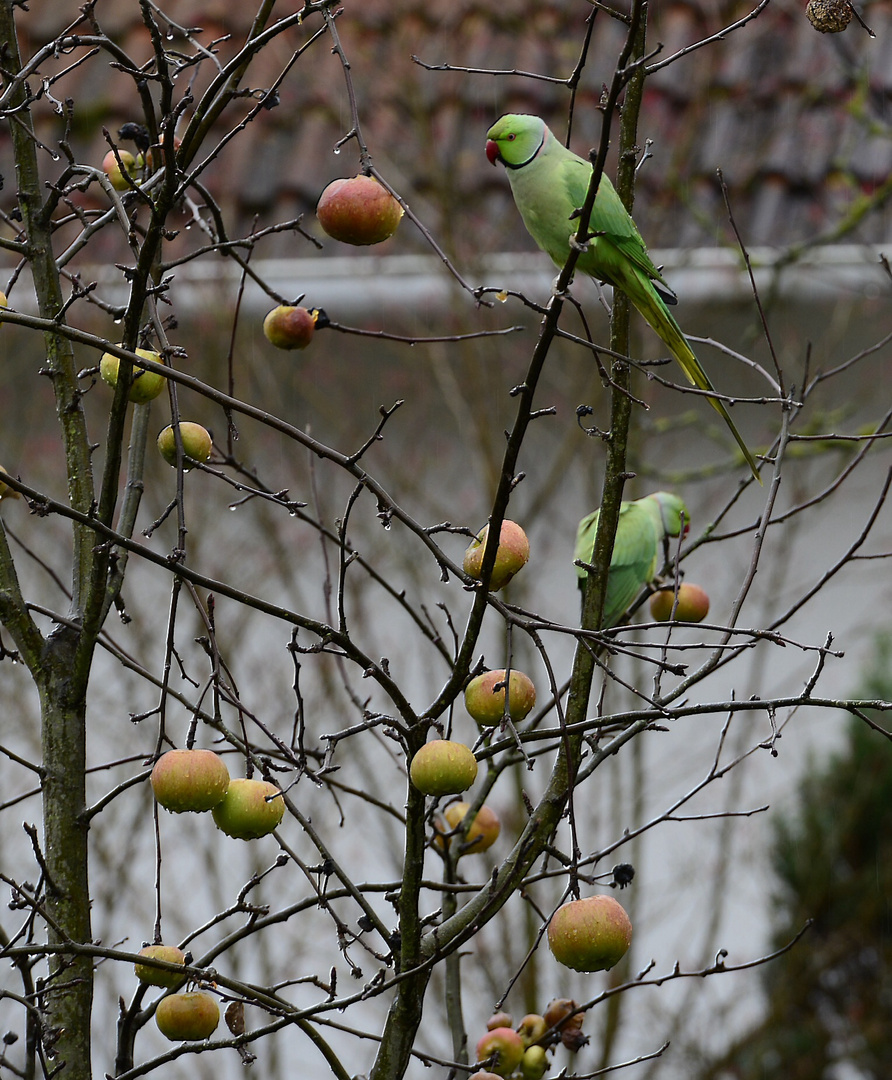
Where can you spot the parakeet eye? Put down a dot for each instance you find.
(512, 137)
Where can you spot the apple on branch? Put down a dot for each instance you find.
(188, 1017)
(512, 554)
(112, 169)
(290, 327)
(693, 603)
(483, 830)
(197, 443)
(156, 976)
(249, 809)
(358, 211)
(486, 704)
(502, 1049)
(146, 385)
(6, 492)
(591, 934)
(443, 767)
(189, 780)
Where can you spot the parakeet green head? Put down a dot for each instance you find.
(515, 139)
(671, 511)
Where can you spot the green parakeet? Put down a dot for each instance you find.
(549, 184)
(642, 527)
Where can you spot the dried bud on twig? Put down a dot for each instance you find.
(829, 16)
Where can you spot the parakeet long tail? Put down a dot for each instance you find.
(647, 300)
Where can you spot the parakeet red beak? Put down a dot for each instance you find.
(492, 151)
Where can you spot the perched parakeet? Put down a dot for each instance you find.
(549, 184)
(642, 527)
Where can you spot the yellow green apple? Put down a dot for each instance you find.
(188, 1017)
(482, 833)
(534, 1063)
(196, 440)
(443, 767)
(249, 809)
(146, 385)
(112, 169)
(155, 976)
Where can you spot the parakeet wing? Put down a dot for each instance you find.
(634, 558)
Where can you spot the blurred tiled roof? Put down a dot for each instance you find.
(798, 122)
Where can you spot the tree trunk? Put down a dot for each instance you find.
(68, 996)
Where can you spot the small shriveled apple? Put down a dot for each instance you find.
(499, 1019)
(562, 1015)
(443, 767)
(146, 385)
(249, 809)
(512, 554)
(188, 1017)
(562, 1012)
(112, 169)
(197, 444)
(693, 603)
(531, 1028)
(483, 831)
(289, 327)
(502, 1049)
(487, 705)
(591, 934)
(155, 976)
(358, 211)
(189, 780)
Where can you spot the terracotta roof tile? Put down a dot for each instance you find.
(783, 110)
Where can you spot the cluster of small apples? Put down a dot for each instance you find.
(513, 553)
(122, 179)
(446, 767)
(692, 605)
(189, 1015)
(522, 1052)
(146, 386)
(196, 781)
(356, 210)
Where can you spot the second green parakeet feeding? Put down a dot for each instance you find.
(642, 527)
(549, 184)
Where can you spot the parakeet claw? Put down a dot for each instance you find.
(574, 243)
